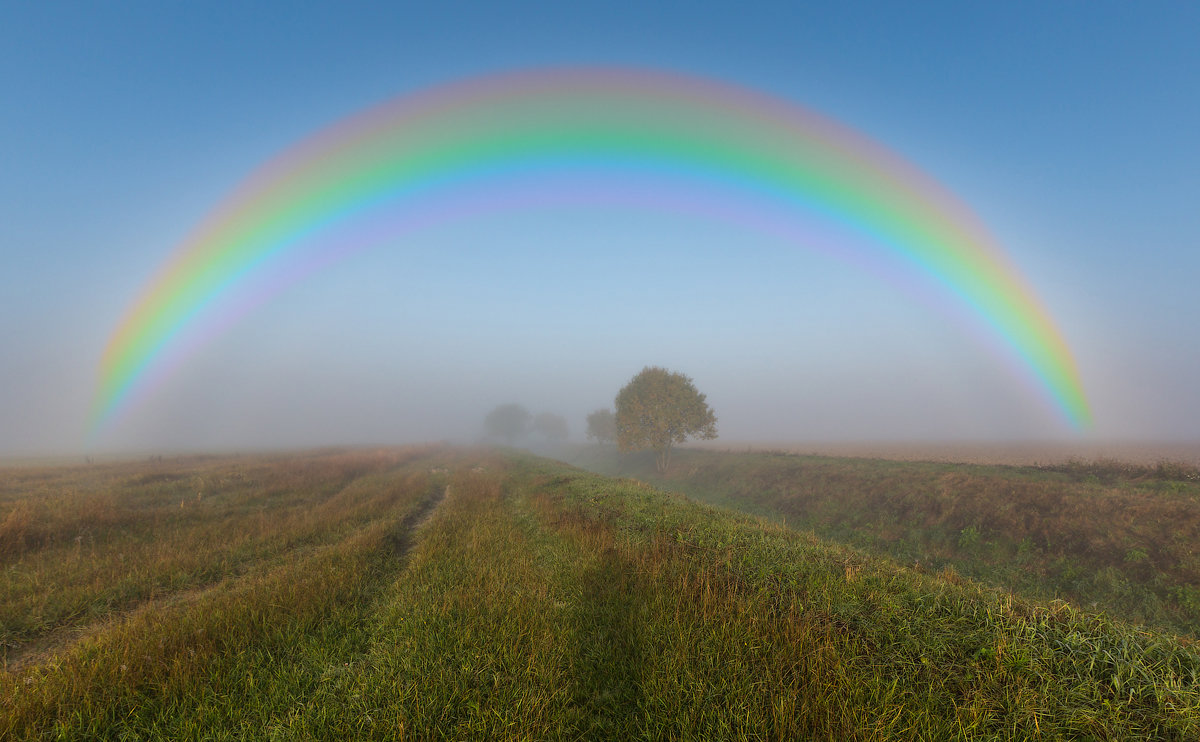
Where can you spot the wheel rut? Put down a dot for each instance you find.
(405, 538)
(14, 659)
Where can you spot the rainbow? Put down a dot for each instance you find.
(540, 136)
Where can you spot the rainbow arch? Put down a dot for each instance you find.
(417, 153)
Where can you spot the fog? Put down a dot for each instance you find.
(125, 135)
(376, 351)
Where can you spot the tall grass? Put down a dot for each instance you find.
(780, 631)
(1103, 536)
(102, 541)
(539, 601)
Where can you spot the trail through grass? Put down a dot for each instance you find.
(537, 601)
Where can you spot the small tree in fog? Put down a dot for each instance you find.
(659, 408)
(508, 423)
(553, 428)
(602, 426)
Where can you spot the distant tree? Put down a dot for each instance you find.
(602, 426)
(508, 423)
(553, 428)
(659, 408)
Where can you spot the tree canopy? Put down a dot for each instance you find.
(553, 428)
(602, 426)
(659, 408)
(508, 422)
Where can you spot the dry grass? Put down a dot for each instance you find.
(88, 542)
(538, 601)
(1006, 453)
(1104, 535)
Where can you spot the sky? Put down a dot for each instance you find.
(1068, 128)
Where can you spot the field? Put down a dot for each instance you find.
(450, 593)
(1011, 453)
(1103, 535)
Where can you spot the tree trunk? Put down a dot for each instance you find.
(662, 458)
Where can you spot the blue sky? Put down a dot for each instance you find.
(1069, 128)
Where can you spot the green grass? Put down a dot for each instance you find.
(1104, 536)
(540, 601)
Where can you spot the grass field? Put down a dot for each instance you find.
(444, 593)
(1103, 535)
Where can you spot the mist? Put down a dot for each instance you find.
(556, 307)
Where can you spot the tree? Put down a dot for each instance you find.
(659, 408)
(508, 422)
(602, 426)
(553, 428)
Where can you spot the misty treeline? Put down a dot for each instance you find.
(655, 411)
(512, 424)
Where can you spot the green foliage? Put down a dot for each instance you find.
(968, 538)
(1133, 556)
(658, 409)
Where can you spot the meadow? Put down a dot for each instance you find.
(450, 593)
(1103, 535)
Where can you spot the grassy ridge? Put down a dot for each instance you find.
(539, 601)
(1106, 536)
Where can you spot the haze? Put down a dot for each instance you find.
(1069, 129)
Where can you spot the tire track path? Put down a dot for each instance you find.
(405, 538)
